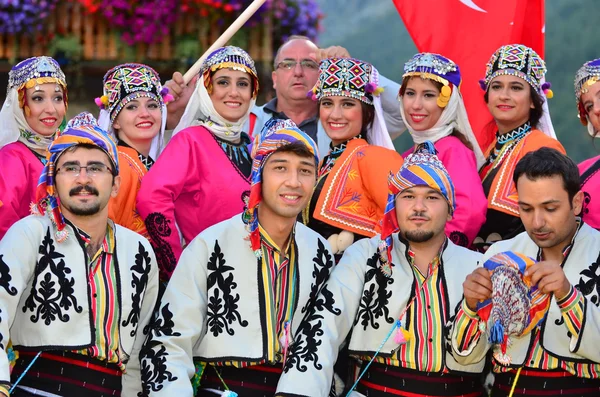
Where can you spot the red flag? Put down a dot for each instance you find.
(468, 32)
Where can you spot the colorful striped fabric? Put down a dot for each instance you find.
(102, 278)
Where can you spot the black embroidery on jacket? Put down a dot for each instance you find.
(139, 272)
(54, 293)
(304, 348)
(158, 227)
(590, 282)
(1, 336)
(222, 302)
(5, 278)
(459, 238)
(374, 303)
(154, 371)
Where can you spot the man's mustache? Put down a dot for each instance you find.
(79, 189)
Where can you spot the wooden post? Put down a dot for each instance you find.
(2, 46)
(101, 51)
(267, 42)
(24, 46)
(88, 36)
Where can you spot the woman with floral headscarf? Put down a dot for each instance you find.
(133, 111)
(351, 192)
(515, 94)
(33, 112)
(433, 109)
(203, 175)
(587, 93)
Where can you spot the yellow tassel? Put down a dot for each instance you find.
(378, 91)
(549, 93)
(104, 100)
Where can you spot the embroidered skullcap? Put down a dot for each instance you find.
(434, 67)
(347, 77)
(275, 134)
(516, 307)
(82, 129)
(516, 60)
(229, 57)
(586, 76)
(421, 168)
(36, 70)
(127, 82)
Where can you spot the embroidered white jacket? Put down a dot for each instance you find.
(581, 268)
(356, 290)
(188, 327)
(45, 297)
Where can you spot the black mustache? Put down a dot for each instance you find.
(79, 189)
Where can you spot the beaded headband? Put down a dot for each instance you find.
(127, 82)
(229, 57)
(434, 67)
(42, 67)
(586, 76)
(347, 77)
(516, 60)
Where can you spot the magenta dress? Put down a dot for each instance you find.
(21, 169)
(194, 184)
(590, 185)
(471, 203)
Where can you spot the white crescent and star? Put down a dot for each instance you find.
(471, 4)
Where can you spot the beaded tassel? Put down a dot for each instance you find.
(402, 335)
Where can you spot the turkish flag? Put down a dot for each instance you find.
(468, 32)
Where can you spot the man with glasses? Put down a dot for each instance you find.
(76, 290)
(296, 69)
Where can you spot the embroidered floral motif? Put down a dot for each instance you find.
(5, 278)
(373, 304)
(139, 272)
(590, 282)
(154, 369)
(459, 238)
(222, 302)
(304, 349)
(55, 292)
(158, 228)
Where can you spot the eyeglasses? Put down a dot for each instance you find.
(93, 170)
(289, 64)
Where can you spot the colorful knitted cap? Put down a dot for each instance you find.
(275, 134)
(127, 82)
(229, 57)
(586, 76)
(82, 129)
(421, 168)
(516, 307)
(516, 60)
(347, 77)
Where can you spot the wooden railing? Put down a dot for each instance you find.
(100, 42)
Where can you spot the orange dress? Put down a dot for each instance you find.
(354, 195)
(122, 208)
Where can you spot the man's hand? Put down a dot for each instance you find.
(477, 287)
(181, 96)
(549, 278)
(334, 51)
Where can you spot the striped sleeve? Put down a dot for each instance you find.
(4, 390)
(572, 307)
(467, 328)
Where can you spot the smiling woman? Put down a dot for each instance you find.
(33, 112)
(203, 175)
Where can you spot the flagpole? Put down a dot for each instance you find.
(224, 38)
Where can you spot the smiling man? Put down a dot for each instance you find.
(76, 290)
(562, 352)
(237, 295)
(393, 294)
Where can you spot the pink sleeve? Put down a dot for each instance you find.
(161, 186)
(471, 203)
(15, 181)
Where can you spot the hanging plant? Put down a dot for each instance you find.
(24, 16)
(295, 17)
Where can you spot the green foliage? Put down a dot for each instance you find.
(376, 33)
(68, 47)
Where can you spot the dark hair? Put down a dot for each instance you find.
(368, 116)
(89, 146)
(546, 163)
(536, 113)
(298, 148)
(455, 133)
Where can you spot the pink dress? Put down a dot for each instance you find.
(192, 185)
(590, 185)
(471, 203)
(21, 170)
